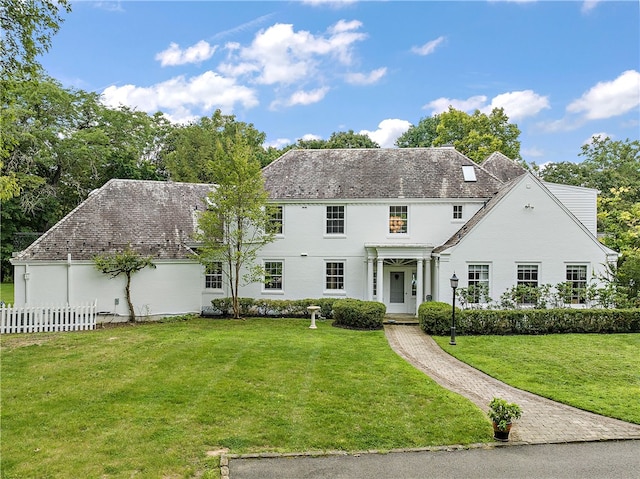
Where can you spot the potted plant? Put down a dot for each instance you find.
(502, 413)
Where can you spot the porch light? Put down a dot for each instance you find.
(454, 284)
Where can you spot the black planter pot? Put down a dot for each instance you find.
(500, 435)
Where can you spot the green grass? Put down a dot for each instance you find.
(150, 400)
(6, 293)
(598, 373)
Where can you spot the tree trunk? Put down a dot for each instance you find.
(127, 289)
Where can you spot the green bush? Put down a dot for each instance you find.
(435, 317)
(436, 320)
(358, 314)
(275, 308)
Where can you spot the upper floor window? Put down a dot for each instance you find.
(276, 223)
(334, 277)
(273, 275)
(398, 219)
(478, 283)
(457, 212)
(335, 220)
(213, 275)
(577, 279)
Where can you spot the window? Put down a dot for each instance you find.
(577, 278)
(273, 275)
(335, 220)
(528, 282)
(334, 275)
(213, 276)
(478, 281)
(469, 173)
(275, 219)
(397, 219)
(457, 212)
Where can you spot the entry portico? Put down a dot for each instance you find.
(399, 275)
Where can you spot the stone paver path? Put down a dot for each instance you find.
(542, 421)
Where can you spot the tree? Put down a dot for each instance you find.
(190, 151)
(236, 223)
(421, 135)
(128, 262)
(348, 139)
(478, 135)
(27, 27)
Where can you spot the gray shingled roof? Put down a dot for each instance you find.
(502, 167)
(155, 217)
(376, 173)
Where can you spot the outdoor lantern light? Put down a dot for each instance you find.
(454, 285)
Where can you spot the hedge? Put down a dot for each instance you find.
(435, 319)
(358, 314)
(274, 308)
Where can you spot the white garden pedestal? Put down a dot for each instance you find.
(313, 310)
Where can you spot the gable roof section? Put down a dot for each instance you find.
(376, 173)
(502, 167)
(156, 218)
(497, 199)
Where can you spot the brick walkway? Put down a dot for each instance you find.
(542, 421)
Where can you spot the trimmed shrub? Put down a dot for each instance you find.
(273, 308)
(358, 314)
(435, 317)
(436, 320)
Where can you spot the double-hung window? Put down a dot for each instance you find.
(577, 278)
(457, 212)
(334, 275)
(478, 282)
(213, 275)
(276, 223)
(398, 216)
(273, 275)
(528, 279)
(335, 220)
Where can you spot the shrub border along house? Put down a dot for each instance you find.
(358, 314)
(435, 319)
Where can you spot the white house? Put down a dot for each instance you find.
(390, 225)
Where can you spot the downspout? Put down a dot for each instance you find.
(68, 279)
(25, 276)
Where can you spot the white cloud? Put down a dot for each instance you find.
(429, 47)
(519, 104)
(608, 99)
(589, 5)
(177, 95)
(516, 104)
(600, 136)
(442, 104)
(302, 97)
(197, 53)
(278, 143)
(388, 132)
(284, 56)
(532, 152)
(366, 79)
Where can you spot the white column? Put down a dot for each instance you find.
(419, 284)
(380, 281)
(370, 279)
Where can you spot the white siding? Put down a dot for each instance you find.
(582, 202)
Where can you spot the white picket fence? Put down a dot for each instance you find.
(40, 319)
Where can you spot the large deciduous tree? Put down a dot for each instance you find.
(190, 151)
(235, 225)
(476, 136)
(341, 139)
(127, 263)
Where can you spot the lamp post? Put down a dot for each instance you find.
(454, 284)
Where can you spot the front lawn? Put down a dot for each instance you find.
(595, 372)
(6, 293)
(151, 400)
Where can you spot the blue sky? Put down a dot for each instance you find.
(563, 71)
